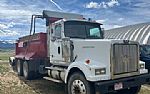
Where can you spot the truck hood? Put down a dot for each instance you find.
(94, 49)
(97, 51)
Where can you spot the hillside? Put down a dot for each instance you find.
(7, 45)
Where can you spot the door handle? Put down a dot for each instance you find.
(58, 50)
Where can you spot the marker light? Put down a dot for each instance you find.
(87, 61)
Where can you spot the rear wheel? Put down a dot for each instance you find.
(77, 84)
(20, 67)
(28, 74)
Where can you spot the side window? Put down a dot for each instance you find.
(58, 31)
(95, 32)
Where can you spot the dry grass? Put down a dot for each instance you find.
(10, 83)
(5, 54)
(145, 89)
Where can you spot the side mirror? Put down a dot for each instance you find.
(103, 32)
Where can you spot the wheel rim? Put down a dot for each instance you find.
(78, 87)
(18, 66)
(25, 69)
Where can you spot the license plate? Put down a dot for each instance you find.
(118, 86)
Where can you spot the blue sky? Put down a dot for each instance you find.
(15, 14)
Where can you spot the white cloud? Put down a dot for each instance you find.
(109, 4)
(101, 21)
(112, 3)
(9, 41)
(110, 26)
(142, 4)
(6, 26)
(15, 19)
(92, 5)
(5, 33)
(3, 26)
(116, 26)
(19, 12)
(120, 19)
(56, 4)
(141, 9)
(6, 29)
(103, 5)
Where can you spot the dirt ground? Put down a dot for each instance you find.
(10, 83)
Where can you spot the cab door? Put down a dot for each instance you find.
(55, 44)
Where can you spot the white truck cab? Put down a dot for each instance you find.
(79, 46)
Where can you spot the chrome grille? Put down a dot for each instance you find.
(125, 58)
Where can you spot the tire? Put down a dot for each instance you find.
(132, 90)
(19, 67)
(77, 84)
(27, 73)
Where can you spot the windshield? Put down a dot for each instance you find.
(84, 30)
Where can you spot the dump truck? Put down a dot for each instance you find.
(73, 51)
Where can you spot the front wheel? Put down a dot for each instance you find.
(77, 84)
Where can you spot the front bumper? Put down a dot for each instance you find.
(108, 86)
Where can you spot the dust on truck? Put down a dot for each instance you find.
(73, 52)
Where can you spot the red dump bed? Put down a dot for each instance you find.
(31, 47)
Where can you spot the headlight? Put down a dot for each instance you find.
(100, 71)
(142, 66)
